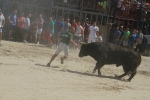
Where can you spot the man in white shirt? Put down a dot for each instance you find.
(2, 23)
(93, 33)
(77, 34)
(26, 27)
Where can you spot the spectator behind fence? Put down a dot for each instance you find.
(116, 36)
(121, 36)
(93, 33)
(40, 21)
(139, 41)
(33, 31)
(74, 24)
(20, 28)
(12, 18)
(51, 29)
(82, 32)
(133, 39)
(67, 25)
(26, 27)
(126, 38)
(59, 25)
(87, 25)
(77, 35)
(2, 23)
(112, 31)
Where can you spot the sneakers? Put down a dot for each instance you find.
(24, 41)
(62, 60)
(37, 43)
(48, 65)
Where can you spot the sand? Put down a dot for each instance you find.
(24, 76)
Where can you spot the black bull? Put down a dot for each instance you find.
(106, 53)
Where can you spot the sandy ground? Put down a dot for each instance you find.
(24, 76)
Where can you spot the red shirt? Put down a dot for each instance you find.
(74, 25)
(21, 22)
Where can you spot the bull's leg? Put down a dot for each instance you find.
(94, 70)
(132, 75)
(98, 66)
(122, 75)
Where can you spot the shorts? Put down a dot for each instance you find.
(125, 43)
(63, 47)
(25, 31)
(91, 39)
(12, 27)
(1, 29)
(39, 32)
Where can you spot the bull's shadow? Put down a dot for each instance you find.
(88, 74)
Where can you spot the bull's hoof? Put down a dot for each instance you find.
(118, 77)
(93, 72)
(126, 80)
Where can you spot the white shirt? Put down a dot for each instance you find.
(93, 30)
(1, 19)
(27, 23)
(140, 38)
(78, 31)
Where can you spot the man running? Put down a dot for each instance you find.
(65, 39)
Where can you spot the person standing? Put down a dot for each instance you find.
(67, 25)
(116, 36)
(126, 37)
(74, 24)
(51, 29)
(139, 41)
(26, 27)
(133, 39)
(93, 33)
(2, 23)
(82, 33)
(87, 25)
(77, 35)
(122, 34)
(13, 22)
(20, 27)
(40, 22)
(58, 30)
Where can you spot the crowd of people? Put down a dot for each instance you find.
(132, 9)
(24, 28)
(128, 39)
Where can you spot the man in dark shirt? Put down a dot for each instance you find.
(12, 22)
(116, 36)
(65, 39)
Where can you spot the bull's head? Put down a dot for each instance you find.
(83, 51)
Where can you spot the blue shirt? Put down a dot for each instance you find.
(116, 34)
(133, 37)
(13, 18)
(58, 26)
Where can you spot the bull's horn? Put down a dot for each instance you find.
(81, 42)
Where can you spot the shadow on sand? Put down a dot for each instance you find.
(46, 66)
(88, 74)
